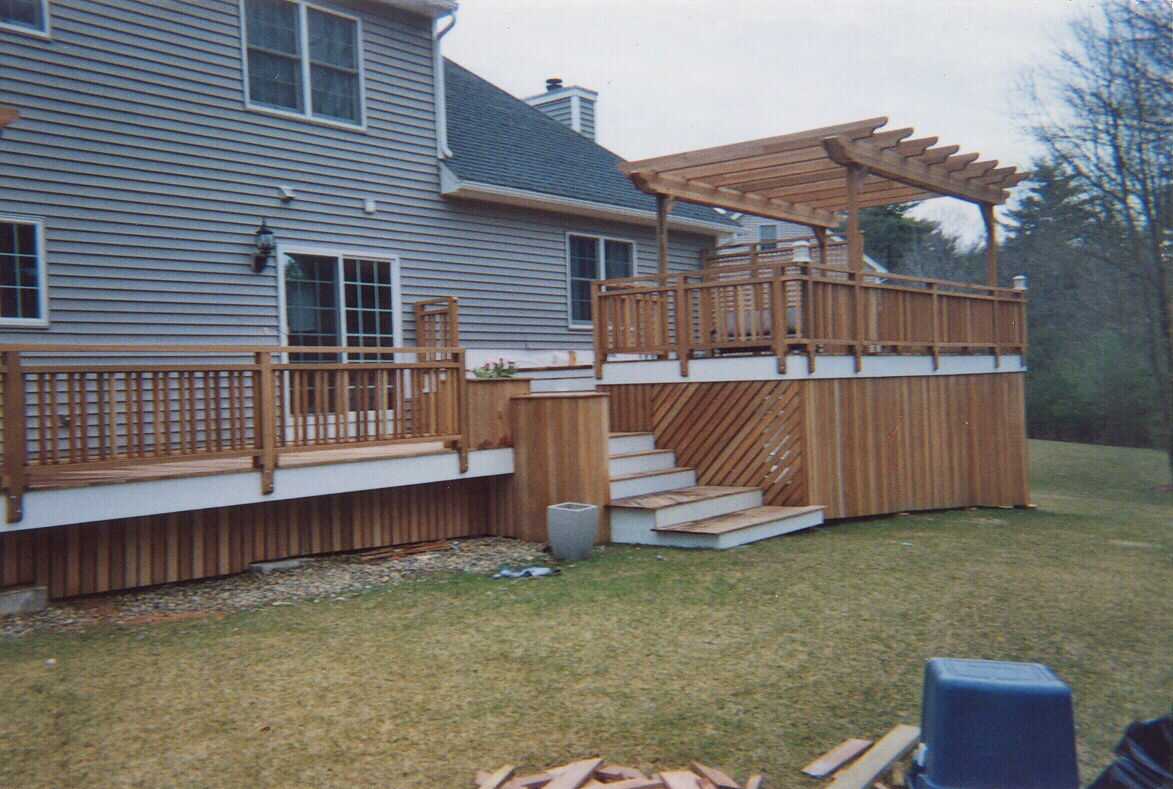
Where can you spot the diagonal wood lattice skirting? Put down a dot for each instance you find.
(744, 433)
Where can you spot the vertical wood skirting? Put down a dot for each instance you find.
(133, 552)
(488, 407)
(630, 407)
(559, 454)
(888, 445)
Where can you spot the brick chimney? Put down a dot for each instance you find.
(573, 106)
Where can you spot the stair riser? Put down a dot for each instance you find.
(628, 527)
(634, 465)
(699, 510)
(641, 486)
(617, 445)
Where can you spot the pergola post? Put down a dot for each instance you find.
(663, 206)
(821, 240)
(991, 244)
(855, 178)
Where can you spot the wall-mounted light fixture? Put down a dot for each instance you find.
(266, 246)
(802, 251)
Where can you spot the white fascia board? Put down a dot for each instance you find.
(765, 368)
(59, 507)
(451, 186)
(427, 7)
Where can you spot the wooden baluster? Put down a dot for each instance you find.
(15, 448)
(808, 317)
(112, 400)
(682, 328)
(42, 419)
(83, 408)
(264, 403)
(71, 405)
(936, 328)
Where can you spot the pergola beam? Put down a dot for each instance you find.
(762, 147)
(907, 171)
(894, 195)
(655, 184)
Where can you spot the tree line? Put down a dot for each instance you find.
(1092, 231)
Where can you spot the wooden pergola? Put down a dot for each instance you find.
(810, 177)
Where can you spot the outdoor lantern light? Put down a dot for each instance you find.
(266, 246)
(802, 252)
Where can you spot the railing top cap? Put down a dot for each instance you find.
(57, 348)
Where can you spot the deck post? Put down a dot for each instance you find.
(855, 178)
(778, 310)
(15, 448)
(683, 326)
(462, 409)
(264, 410)
(663, 206)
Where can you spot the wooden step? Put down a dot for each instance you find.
(631, 442)
(644, 482)
(672, 498)
(724, 524)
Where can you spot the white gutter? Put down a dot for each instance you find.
(441, 101)
(451, 186)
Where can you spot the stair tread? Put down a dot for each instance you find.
(723, 524)
(628, 435)
(640, 453)
(656, 473)
(671, 498)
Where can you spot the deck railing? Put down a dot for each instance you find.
(64, 406)
(778, 306)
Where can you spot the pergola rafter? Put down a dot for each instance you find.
(810, 177)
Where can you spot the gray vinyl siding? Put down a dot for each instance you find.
(135, 149)
(586, 113)
(748, 232)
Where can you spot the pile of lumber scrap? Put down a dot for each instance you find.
(858, 764)
(399, 551)
(597, 774)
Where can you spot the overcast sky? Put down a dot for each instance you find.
(682, 74)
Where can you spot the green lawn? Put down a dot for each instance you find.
(756, 658)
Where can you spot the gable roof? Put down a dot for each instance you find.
(498, 139)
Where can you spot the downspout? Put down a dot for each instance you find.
(442, 149)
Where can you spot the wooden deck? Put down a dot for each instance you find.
(58, 477)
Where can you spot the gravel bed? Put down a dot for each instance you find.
(319, 578)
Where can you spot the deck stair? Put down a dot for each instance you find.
(654, 501)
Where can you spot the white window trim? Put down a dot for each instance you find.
(304, 62)
(32, 31)
(571, 323)
(42, 277)
(283, 250)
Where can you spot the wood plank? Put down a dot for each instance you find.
(735, 521)
(893, 745)
(680, 779)
(835, 758)
(575, 774)
(718, 778)
(497, 778)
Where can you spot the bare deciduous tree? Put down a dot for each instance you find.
(1113, 130)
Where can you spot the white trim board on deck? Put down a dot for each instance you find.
(58, 507)
(765, 368)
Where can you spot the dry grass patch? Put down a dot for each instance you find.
(763, 656)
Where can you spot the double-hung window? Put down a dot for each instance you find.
(23, 295)
(340, 300)
(303, 60)
(768, 236)
(26, 16)
(591, 258)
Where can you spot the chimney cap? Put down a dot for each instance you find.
(553, 84)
